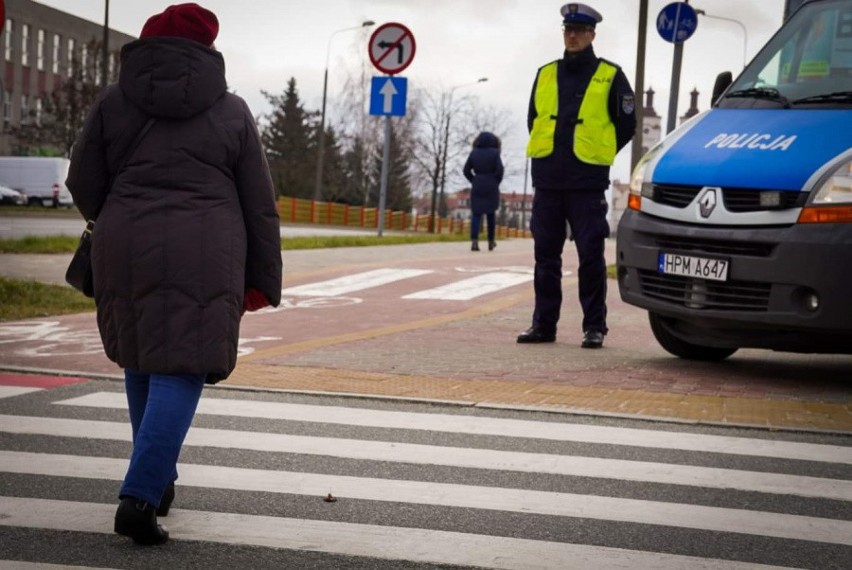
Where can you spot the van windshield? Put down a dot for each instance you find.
(807, 64)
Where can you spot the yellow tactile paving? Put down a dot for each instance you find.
(725, 409)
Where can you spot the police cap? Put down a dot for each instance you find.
(576, 13)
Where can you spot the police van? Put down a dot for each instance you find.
(738, 231)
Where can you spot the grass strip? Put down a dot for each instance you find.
(31, 299)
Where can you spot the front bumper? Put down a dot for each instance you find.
(763, 304)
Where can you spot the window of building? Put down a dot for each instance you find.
(111, 65)
(55, 53)
(7, 108)
(38, 110)
(98, 67)
(84, 58)
(8, 38)
(25, 110)
(40, 50)
(69, 56)
(25, 48)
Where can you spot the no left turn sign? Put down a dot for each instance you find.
(391, 48)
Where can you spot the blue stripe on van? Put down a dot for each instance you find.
(756, 148)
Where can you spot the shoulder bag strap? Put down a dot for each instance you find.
(90, 224)
(133, 146)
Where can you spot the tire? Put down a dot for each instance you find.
(675, 345)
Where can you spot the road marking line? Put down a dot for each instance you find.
(417, 454)
(376, 541)
(468, 289)
(10, 391)
(38, 381)
(355, 282)
(715, 519)
(453, 423)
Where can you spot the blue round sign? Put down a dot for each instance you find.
(677, 22)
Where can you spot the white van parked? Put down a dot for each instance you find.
(41, 179)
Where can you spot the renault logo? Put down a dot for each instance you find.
(707, 203)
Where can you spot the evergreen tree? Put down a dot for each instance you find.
(356, 190)
(290, 142)
(334, 180)
(398, 195)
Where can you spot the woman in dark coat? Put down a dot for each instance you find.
(186, 239)
(484, 171)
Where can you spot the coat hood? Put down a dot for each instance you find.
(171, 78)
(486, 140)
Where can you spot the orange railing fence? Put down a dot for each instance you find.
(303, 211)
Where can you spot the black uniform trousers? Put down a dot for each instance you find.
(585, 211)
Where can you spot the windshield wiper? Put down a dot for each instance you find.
(836, 97)
(761, 93)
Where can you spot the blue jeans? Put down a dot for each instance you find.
(476, 223)
(161, 410)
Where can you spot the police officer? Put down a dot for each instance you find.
(581, 114)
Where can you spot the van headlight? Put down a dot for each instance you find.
(638, 186)
(831, 201)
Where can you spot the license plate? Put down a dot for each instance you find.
(689, 266)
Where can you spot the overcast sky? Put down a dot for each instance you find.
(265, 42)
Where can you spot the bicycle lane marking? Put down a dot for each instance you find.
(18, 384)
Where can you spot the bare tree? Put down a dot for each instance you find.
(53, 128)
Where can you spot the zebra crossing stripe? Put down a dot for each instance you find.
(9, 391)
(352, 283)
(351, 539)
(468, 289)
(698, 517)
(498, 427)
(20, 565)
(665, 473)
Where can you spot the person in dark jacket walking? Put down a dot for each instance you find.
(484, 170)
(186, 239)
(581, 113)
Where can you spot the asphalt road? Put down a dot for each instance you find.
(418, 486)
(13, 227)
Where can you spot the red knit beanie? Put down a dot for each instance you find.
(189, 21)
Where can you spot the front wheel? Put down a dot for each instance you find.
(681, 348)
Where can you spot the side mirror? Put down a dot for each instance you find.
(723, 81)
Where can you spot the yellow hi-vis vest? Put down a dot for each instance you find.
(594, 133)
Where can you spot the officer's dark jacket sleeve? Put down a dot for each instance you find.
(622, 109)
(531, 113)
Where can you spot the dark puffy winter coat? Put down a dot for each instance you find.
(190, 223)
(484, 171)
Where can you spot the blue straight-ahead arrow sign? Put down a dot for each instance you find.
(388, 95)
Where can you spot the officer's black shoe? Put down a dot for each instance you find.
(592, 339)
(474, 246)
(138, 520)
(492, 245)
(536, 335)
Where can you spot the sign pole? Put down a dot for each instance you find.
(676, 22)
(383, 192)
(391, 49)
(675, 87)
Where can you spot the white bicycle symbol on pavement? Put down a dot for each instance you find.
(52, 338)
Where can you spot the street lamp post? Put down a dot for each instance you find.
(321, 134)
(740, 24)
(446, 145)
(105, 47)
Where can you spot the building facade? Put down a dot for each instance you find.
(41, 46)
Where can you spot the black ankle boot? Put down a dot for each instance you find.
(492, 245)
(474, 246)
(166, 501)
(138, 520)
